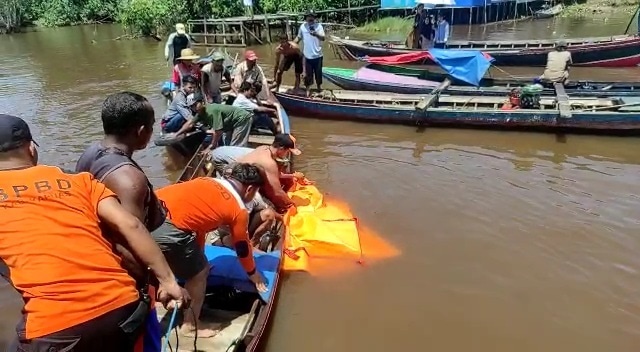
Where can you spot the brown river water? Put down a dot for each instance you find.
(507, 241)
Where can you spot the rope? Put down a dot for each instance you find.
(166, 336)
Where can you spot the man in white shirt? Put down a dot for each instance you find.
(312, 35)
(558, 62)
(247, 100)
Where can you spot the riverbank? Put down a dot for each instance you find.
(600, 9)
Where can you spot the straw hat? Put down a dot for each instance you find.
(188, 54)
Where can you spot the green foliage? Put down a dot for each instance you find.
(147, 17)
(388, 25)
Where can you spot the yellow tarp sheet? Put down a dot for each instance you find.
(318, 228)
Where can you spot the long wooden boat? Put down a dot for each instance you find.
(616, 51)
(583, 115)
(549, 12)
(232, 300)
(186, 146)
(370, 79)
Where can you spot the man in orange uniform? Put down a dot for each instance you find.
(77, 296)
(195, 208)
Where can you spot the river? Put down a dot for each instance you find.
(507, 241)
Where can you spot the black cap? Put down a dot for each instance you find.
(194, 98)
(310, 14)
(286, 141)
(14, 133)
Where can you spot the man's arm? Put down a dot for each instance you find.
(131, 186)
(274, 190)
(227, 76)
(187, 126)
(237, 78)
(447, 28)
(319, 32)
(169, 46)
(117, 218)
(277, 61)
(299, 36)
(240, 240)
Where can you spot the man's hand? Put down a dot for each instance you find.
(298, 175)
(258, 280)
(171, 295)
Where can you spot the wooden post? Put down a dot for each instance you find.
(288, 31)
(485, 12)
(243, 35)
(268, 28)
(470, 15)
(564, 106)
(224, 33)
(453, 10)
(206, 34)
(515, 12)
(430, 99)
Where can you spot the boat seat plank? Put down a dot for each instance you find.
(430, 99)
(630, 108)
(564, 106)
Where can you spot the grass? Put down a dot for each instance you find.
(388, 25)
(594, 8)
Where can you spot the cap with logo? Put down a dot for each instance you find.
(285, 140)
(14, 133)
(250, 55)
(194, 98)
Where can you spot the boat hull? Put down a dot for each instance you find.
(360, 84)
(618, 52)
(537, 120)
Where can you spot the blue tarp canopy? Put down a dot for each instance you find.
(466, 65)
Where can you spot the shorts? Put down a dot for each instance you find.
(181, 249)
(295, 60)
(101, 334)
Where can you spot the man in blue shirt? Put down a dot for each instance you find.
(178, 112)
(312, 35)
(442, 33)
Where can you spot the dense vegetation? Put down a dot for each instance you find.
(144, 16)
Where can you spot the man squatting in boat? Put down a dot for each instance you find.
(558, 62)
(57, 242)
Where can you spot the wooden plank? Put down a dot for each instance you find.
(564, 106)
(430, 99)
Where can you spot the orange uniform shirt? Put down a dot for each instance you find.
(58, 259)
(202, 205)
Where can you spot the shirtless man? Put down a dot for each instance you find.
(291, 55)
(268, 158)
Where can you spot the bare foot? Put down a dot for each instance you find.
(209, 331)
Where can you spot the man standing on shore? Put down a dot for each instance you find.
(312, 34)
(442, 33)
(176, 42)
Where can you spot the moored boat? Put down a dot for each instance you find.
(231, 297)
(414, 81)
(615, 51)
(616, 116)
(549, 12)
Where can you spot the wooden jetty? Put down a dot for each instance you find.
(241, 31)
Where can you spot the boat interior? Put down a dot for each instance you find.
(232, 305)
(480, 102)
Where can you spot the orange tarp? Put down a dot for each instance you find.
(323, 229)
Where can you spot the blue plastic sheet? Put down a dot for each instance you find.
(466, 65)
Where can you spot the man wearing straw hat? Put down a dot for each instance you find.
(186, 66)
(558, 61)
(176, 42)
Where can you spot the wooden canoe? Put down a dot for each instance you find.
(186, 146)
(231, 298)
(369, 79)
(410, 81)
(616, 51)
(615, 116)
(549, 12)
